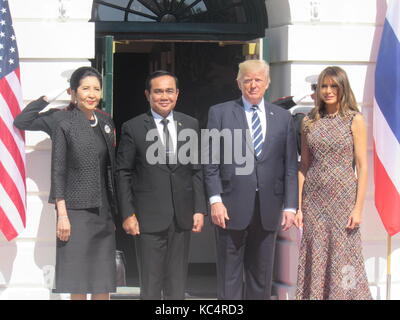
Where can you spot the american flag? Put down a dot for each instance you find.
(387, 122)
(12, 140)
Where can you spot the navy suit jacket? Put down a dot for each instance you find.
(274, 174)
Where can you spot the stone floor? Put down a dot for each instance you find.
(201, 285)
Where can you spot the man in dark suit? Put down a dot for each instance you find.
(249, 208)
(160, 201)
(290, 103)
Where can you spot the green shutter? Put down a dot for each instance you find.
(105, 65)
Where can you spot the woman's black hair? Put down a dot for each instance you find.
(81, 73)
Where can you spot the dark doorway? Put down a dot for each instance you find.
(130, 72)
(206, 73)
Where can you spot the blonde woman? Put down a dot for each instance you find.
(331, 194)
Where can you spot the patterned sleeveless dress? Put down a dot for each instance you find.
(331, 264)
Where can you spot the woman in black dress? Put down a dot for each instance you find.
(82, 187)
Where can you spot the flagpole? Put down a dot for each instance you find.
(389, 275)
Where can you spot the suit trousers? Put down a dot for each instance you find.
(250, 251)
(163, 263)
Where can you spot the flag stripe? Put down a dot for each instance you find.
(387, 80)
(15, 86)
(5, 225)
(12, 147)
(392, 17)
(11, 168)
(9, 97)
(18, 73)
(385, 140)
(6, 115)
(387, 198)
(386, 121)
(13, 217)
(14, 83)
(12, 191)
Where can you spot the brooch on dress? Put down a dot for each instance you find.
(107, 128)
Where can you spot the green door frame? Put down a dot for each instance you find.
(179, 31)
(104, 63)
(108, 72)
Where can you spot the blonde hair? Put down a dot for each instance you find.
(346, 98)
(253, 66)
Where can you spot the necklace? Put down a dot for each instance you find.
(332, 115)
(95, 121)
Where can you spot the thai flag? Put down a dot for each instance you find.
(387, 122)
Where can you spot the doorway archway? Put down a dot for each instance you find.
(218, 20)
(201, 41)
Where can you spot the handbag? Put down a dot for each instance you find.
(120, 268)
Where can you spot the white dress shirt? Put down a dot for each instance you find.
(171, 127)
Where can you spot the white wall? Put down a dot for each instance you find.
(304, 39)
(48, 46)
(345, 33)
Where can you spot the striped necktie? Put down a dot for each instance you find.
(256, 132)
